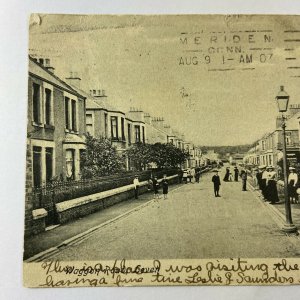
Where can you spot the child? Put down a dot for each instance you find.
(165, 186)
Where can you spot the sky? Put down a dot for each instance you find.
(213, 78)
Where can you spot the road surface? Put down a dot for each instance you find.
(191, 223)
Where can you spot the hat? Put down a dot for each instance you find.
(136, 176)
(291, 168)
(262, 167)
(215, 170)
(270, 167)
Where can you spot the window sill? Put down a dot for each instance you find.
(71, 131)
(37, 125)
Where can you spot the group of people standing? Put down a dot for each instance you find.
(267, 182)
(227, 178)
(236, 173)
(191, 175)
(154, 185)
(266, 179)
(228, 174)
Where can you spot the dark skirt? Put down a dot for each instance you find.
(165, 189)
(272, 193)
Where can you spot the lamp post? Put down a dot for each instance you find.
(282, 101)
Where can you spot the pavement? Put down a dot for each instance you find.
(62, 234)
(280, 207)
(191, 223)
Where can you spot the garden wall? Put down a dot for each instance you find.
(79, 207)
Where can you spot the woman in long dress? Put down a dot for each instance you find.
(272, 192)
(226, 177)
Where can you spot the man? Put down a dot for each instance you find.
(217, 182)
(136, 184)
(236, 174)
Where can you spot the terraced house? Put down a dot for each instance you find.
(56, 125)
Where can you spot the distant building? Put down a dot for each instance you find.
(268, 149)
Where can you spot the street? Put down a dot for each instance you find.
(191, 223)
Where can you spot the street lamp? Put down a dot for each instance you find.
(282, 101)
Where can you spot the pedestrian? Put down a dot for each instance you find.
(292, 185)
(165, 186)
(259, 177)
(185, 176)
(180, 175)
(189, 175)
(236, 174)
(244, 180)
(230, 176)
(155, 187)
(149, 184)
(226, 177)
(193, 173)
(254, 177)
(136, 184)
(217, 182)
(197, 175)
(271, 185)
(264, 177)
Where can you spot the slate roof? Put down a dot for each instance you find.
(41, 72)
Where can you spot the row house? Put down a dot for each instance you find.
(268, 149)
(56, 125)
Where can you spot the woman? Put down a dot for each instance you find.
(165, 186)
(292, 185)
(272, 192)
(226, 177)
(185, 176)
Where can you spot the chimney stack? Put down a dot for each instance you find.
(98, 93)
(74, 79)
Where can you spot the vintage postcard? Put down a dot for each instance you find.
(162, 150)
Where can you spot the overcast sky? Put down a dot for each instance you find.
(222, 98)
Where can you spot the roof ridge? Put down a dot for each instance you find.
(53, 75)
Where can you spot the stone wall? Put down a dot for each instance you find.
(79, 207)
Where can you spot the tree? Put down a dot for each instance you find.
(167, 155)
(141, 155)
(100, 158)
(162, 155)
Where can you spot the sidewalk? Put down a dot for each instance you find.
(280, 207)
(48, 239)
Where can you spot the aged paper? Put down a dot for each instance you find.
(155, 150)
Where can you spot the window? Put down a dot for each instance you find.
(114, 127)
(137, 133)
(129, 133)
(67, 116)
(122, 129)
(70, 164)
(89, 124)
(288, 138)
(37, 166)
(49, 164)
(36, 103)
(74, 127)
(48, 106)
(143, 134)
(172, 141)
(105, 125)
